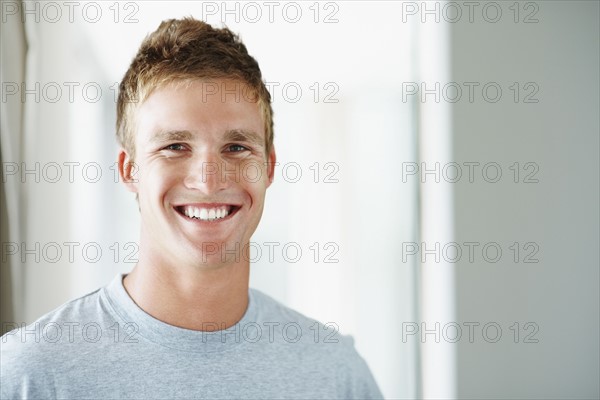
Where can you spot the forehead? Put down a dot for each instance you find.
(211, 106)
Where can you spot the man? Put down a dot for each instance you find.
(194, 121)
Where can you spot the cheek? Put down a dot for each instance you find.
(158, 176)
(253, 174)
(257, 192)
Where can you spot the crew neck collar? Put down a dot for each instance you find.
(161, 333)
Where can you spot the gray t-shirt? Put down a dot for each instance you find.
(103, 346)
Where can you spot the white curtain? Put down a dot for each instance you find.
(13, 47)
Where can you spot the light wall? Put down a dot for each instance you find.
(551, 211)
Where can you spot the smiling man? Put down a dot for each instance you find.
(195, 140)
(194, 121)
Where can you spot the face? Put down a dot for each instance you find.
(201, 171)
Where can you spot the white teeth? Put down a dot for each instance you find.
(206, 214)
(203, 214)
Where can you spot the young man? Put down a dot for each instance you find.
(194, 121)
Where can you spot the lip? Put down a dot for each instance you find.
(233, 209)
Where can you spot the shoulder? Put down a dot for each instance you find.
(297, 327)
(28, 351)
(46, 328)
(320, 346)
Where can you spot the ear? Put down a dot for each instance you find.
(127, 171)
(272, 160)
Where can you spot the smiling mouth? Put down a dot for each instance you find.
(207, 213)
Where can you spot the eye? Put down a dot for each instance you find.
(175, 147)
(236, 148)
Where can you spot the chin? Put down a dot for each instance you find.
(215, 253)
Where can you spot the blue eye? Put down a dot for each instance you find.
(236, 148)
(175, 147)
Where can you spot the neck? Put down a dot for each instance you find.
(197, 297)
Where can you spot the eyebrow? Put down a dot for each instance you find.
(167, 136)
(242, 135)
(232, 135)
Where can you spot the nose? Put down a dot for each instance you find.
(205, 174)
